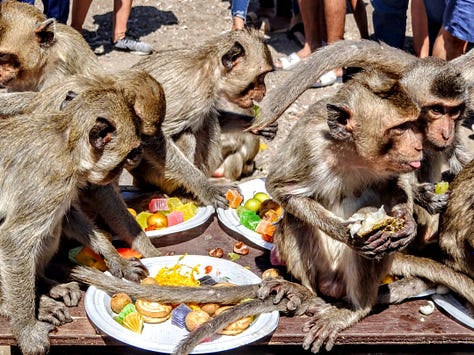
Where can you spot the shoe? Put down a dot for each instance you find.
(289, 62)
(132, 45)
(326, 80)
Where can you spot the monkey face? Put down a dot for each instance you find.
(440, 124)
(9, 68)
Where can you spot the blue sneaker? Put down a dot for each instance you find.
(129, 44)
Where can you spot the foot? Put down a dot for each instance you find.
(129, 44)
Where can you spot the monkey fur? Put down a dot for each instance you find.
(232, 66)
(87, 142)
(37, 51)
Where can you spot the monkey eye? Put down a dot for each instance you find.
(456, 111)
(437, 110)
(398, 130)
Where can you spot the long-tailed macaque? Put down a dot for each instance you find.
(36, 51)
(231, 66)
(88, 141)
(437, 87)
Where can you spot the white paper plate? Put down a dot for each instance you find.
(165, 336)
(451, 305)
(202, 215)
(231, 220)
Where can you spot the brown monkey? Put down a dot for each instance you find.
(361, 157)
(437, 88)
(231, 66)
(35, 51)
(147, 98)
(456, 234)
(87, 142)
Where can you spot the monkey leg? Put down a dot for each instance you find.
(400, 290)
(325, 325)
(52, 311)
(69, 292)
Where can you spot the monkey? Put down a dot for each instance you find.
(232, 66)
(456, 237)
(88, 141)
(36, 51)
(436, 86)
(330, 172)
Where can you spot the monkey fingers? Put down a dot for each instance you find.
(401, 238)
(375, 245)
(131, 269)
(268, 132)
(425, 196)
(296, 294)
(53, 311)
(69, 292)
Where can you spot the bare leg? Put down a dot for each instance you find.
(419, 23)
(311, 15)
(335, 15)
(79, 11)
(447, 46)
(360, 17)
(122, 9)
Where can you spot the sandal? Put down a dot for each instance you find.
(289, 62)
(326, 79)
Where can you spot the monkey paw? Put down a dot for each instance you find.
(69, 292)
(216, 194)
(131, 269)
(296, 294)
(53, 311)
(324, 327)
(426, 197)
(269, 132)
(34, 339)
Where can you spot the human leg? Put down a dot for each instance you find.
(360, 17)
(419, 24)
(239, 13)
(79, 11)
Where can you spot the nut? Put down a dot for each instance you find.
(216, 252)
(241, 248)
(270, 273)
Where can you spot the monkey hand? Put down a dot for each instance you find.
(296, 294)
(269, 132)
(324, 326)
(215, 194)
(425, 196)
(131, 269)
(69, 292)
(53, 311)
(400, 238)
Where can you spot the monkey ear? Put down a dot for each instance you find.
(44, 32)
(70, 95)
(339, 122)
(230, 58)
(101, 133)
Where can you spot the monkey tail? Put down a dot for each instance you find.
(164, 294)
(414, 266)
(347, 53)
(216, 324)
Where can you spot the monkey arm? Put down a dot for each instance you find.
(107, 202)
(76, 225)
(232, 122)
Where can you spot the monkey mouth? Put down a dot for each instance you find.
(416, 164)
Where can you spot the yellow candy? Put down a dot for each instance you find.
(173, 203)
(189, 210)
(134, 322)
(142, 219)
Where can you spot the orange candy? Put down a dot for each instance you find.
(234, 197)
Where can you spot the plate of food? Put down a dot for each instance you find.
(163, 215)
(245, 217)
(165, 335)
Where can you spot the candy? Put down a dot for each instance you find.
(175, 217)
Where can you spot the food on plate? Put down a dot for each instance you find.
(234, 197)
(210, 308)
(132, 212)
(195, 318)
(134, 322)
(119, 301)
(216, 252)
(441, 187)
(241, 248)
(149, 281)
(129, 253)
(86, 256)
(260, 213)
(165, 212)
(236, 327)
(153, 312)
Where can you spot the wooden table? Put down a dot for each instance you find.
(394, 327)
